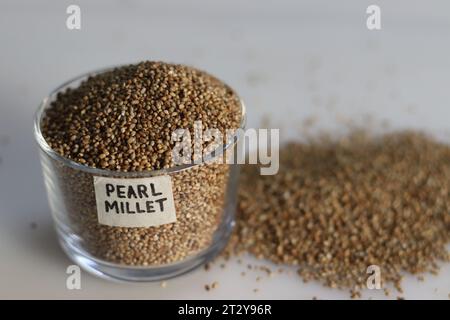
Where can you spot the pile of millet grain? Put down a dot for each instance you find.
(339, 206)
(122, 120)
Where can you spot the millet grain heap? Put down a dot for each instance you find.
(337, 207)
(122, 120)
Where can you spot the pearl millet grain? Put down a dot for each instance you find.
(337, 207)
(122, 120)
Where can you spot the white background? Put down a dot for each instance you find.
(289, 60)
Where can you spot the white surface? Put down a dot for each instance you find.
(288, 60)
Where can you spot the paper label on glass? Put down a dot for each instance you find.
(140, 202)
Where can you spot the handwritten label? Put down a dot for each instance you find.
(140, 202)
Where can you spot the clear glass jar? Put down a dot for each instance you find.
(204, 196)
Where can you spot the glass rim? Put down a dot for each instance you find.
(43, 145)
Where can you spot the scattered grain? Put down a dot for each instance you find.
(337, 207)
